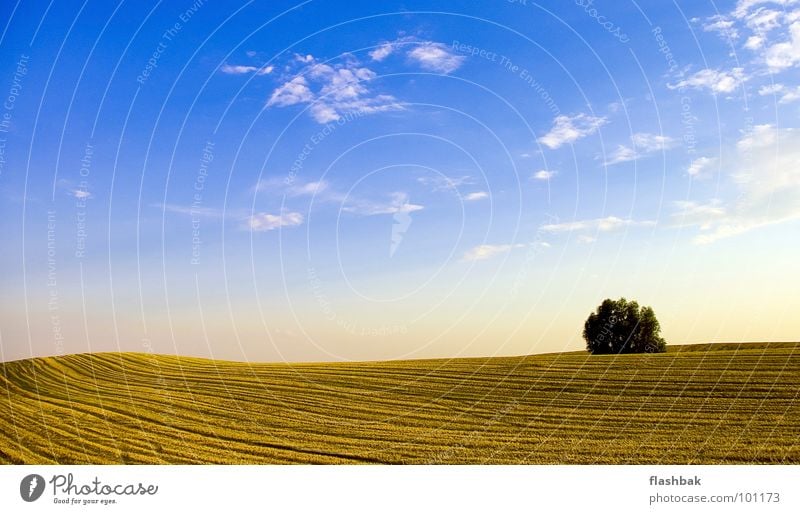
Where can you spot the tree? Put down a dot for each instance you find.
(620, 326)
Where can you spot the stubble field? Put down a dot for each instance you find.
(694, 404)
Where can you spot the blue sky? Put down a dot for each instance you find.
(334, 180)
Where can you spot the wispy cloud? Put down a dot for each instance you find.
(443, 183)
(382, 52)
(435, 57)
(485, 252)
(81, 194)
(281, 187)
(768, 179)
(690, 213)
(716, 81)
(621, 154)
(292, 92)
(263, 221)
(257, 222)
(700, 167)
(428, 55)
(773, 35)
(568, 129)
(544, 175)
(72, 189)
(642, 145)
(398, 203)
(607, 224)
(333, 90)
(194, 211)
(478, 195)
(241, 69)
(784, 94)
(722, 25)
(785, 54)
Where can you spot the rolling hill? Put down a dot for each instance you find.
(694, 404)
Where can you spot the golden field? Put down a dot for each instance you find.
(693, 404)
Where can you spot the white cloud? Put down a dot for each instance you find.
(340, 89)
(648, 143)
(716, 81)
(292, 92)
(239, 69)
(785, 95)
(721, 24)
(479, 195)
(568, 129)
(643, 144)
(544, 175)
(692, 213)
(346, 83)
(435, 57)
(764, 20)
(193, 211)
(771, 89)
(621, 154)
(584, 239)
(760, 136)
(754, 42)
(262, 221)
(382, 52)
(309, 188)
(700, 166)
(743, 6)
(484, 252)
(775, 32)
(321, 190)
(399, 203)
(768, 178)
(607, 224)
(81, 194)
(442, 183)
(786, 53)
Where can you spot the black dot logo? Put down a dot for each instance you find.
(31, 487)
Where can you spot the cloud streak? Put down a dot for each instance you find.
(486, 252)
(264, 222)
(569, 129)
(332, 90)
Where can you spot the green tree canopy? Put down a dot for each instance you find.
(622, 326)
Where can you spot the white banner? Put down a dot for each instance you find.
(402, 489)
